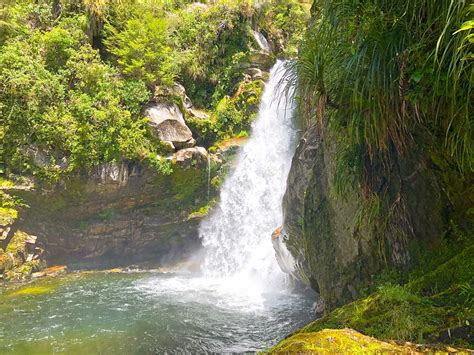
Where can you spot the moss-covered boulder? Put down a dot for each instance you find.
(21, 257)
(349, 341)
(435, 307)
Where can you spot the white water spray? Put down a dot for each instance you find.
(262, 42)
(236, 237)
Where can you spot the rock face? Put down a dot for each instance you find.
(168, 123)
(118, 214)
(337, 256)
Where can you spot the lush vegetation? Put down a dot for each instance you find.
(432, 304)
(378, 73)
(386, 81)
(74, 75)
(382, 80)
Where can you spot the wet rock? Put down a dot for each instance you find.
(333, 255)
(50, 271)
(118, 214)
(261, 60)
(284, 258)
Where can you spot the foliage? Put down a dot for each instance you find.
(64, 108)
(142, 51)
(283, 22)
(207, 38)
(75, 75)
(232, 115)
(437, 296)
(376, 72)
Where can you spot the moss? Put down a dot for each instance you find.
(458, 270)
(439, 302)
(204, 210)
(345, 341)
(34, 290)
(187, 185)
(391, 313)
(348, 341)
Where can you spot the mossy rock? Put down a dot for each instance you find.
(345, 341)
(457, 270)
(17, 245)
(434, 308)
(391, 313)
(23, 271)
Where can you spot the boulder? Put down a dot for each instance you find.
(255, 74)
(198, 114)
(334, 254)
(261, 60)
(168, 124)
(191, 157)
(172, 93)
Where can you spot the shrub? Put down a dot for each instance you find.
(142, 50)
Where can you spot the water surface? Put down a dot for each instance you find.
(145, 313)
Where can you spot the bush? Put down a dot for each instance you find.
(142, 51)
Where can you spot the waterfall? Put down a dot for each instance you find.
(262, 42)
(237, 235)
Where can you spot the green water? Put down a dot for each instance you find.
(144, 313)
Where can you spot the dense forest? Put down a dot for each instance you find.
(75, 74)
(376, 225)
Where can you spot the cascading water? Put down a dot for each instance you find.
(237, 303)
(236, 237)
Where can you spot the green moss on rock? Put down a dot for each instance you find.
(457, 270)
(435, 308)
(348, 341)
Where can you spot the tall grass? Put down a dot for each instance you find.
(377, 71)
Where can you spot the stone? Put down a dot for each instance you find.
(171, 93)
(343, 341)
(261, 60)
(128, 217)
(188, 144)
(333, 255)
(31, 239)
(167, 123)
(198, 114)
(255, 74)
(191, 157)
